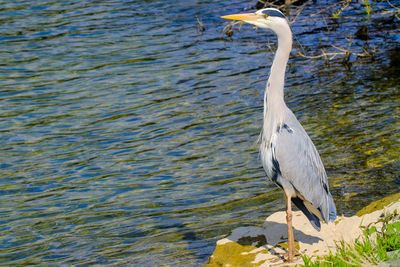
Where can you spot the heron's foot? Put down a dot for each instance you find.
(285, 246)
(295, 254)
(291, 259)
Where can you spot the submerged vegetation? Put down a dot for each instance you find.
(369, 19)
(340, 10)
(380, 242)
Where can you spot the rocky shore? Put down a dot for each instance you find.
(266, 245)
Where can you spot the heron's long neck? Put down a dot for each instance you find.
(273, 98)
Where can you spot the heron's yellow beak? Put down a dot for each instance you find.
(244, 17)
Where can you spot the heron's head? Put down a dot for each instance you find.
(268, 18)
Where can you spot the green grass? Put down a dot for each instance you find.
(376, 245)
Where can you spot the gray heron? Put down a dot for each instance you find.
(288, 155)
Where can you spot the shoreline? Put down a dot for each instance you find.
(266, 245)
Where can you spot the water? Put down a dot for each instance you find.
(129, 136)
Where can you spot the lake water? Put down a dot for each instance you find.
(129, 136)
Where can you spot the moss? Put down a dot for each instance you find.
(379, 204)
(232, 254)
(249, 240)
(237, 253)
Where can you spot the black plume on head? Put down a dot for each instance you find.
(273, 13)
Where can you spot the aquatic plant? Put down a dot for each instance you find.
(337, 14)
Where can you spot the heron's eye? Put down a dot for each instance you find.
(265, 16)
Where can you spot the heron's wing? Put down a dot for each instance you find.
(301, 165)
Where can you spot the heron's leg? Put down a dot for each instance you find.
(290, 227)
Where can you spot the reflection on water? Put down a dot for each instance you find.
(128, 136)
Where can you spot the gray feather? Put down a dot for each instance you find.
(300, 167)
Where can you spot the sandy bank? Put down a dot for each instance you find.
(265, 246)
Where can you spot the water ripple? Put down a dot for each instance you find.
(129, 137)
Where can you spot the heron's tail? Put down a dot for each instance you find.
(332, 209)
(314, 220)
(316, 215)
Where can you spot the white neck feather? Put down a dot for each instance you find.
(273, 97)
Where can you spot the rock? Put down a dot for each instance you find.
(266, 246)
(390, 263)
(379, 204)
(362, 33)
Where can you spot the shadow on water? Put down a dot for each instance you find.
(129, 136)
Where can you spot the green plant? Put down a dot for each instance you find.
(378, 241)
(388, 237)
(367, 5)
(336, 14)
(369, 9)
